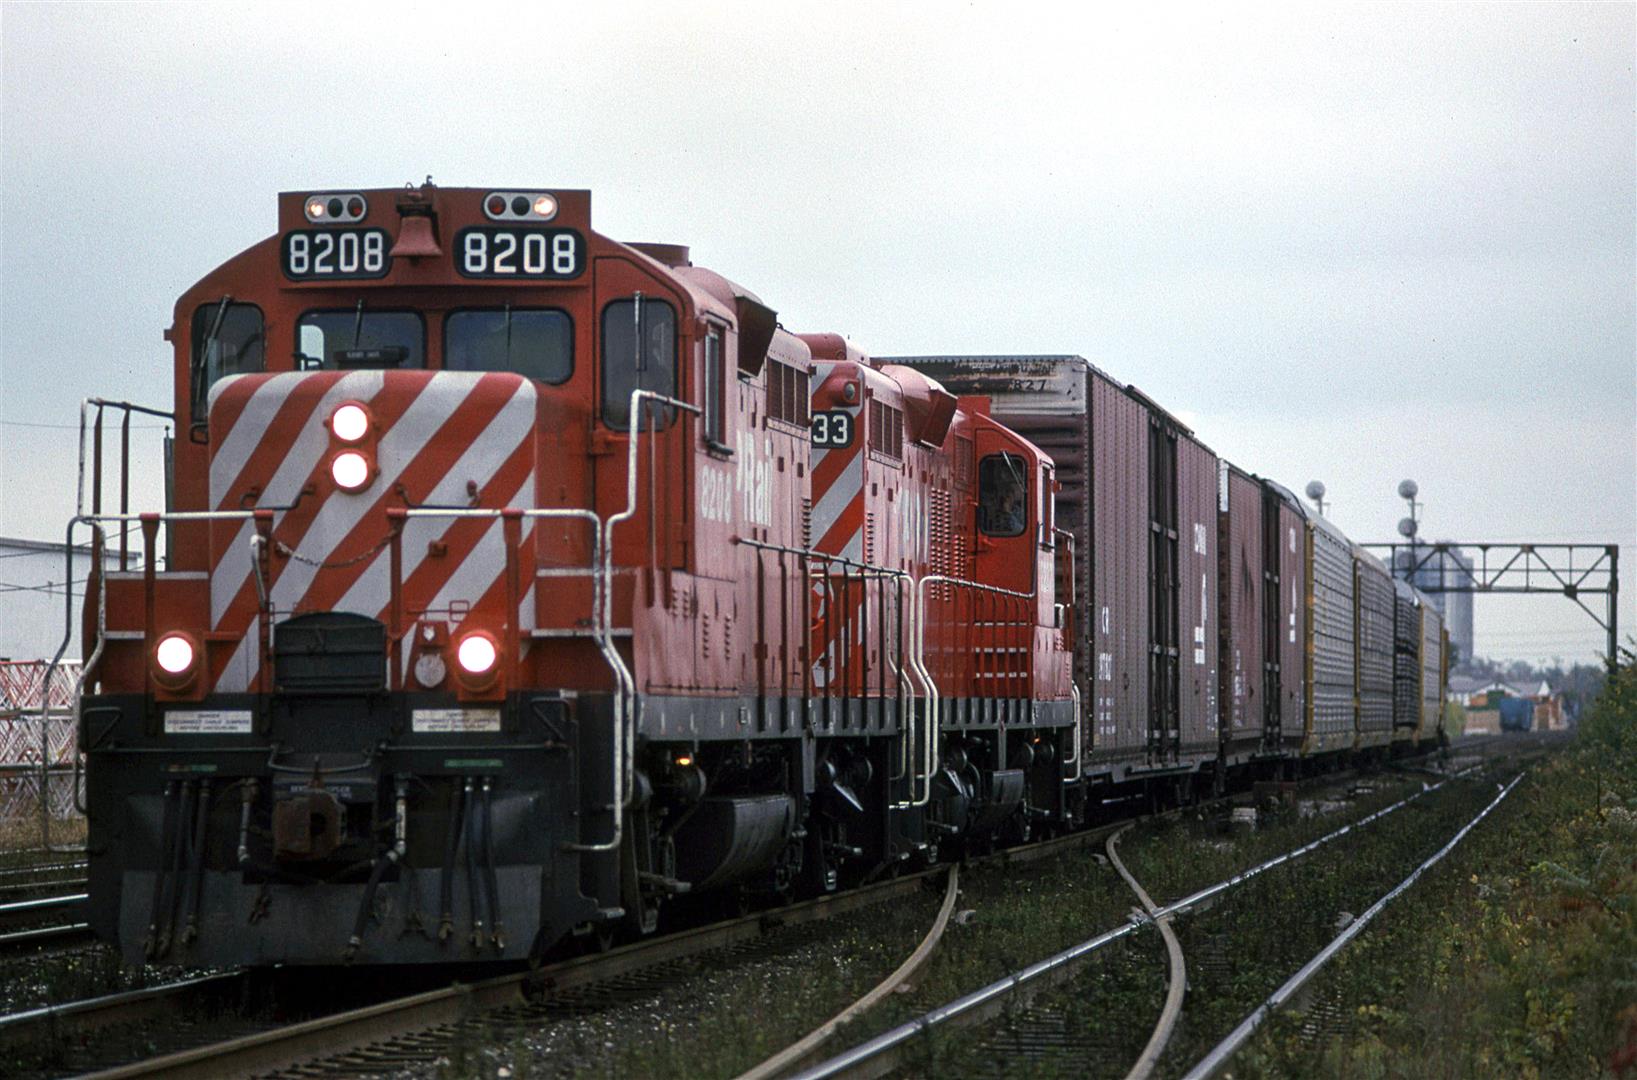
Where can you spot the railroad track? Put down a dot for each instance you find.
(43, 919)
(1009, 995)
(270, 1048)
(352, 1032)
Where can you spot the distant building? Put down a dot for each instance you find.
(1482, 701)
(34, 578)
(1433, 572)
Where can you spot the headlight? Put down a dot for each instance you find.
(174, 654)
(350, 423)
(350, 469)
(477, 654)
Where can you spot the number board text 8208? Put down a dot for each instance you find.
(519, 253)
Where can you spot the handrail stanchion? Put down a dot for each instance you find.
(511, 534)
(125, 488)
(264, 624)
(395, 578)
(150, 532)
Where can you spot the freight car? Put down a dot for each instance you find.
(1243, 636)
(521, 586)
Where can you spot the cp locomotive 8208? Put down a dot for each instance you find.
(520, 585)
(521, 582)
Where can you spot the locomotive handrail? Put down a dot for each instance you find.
(124, 460)
(94, 521)
(602, 631)
(626, 689)
(902, 577)
(934, 696)
(1074, 683)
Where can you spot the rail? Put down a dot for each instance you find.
(1220, 1055)
(820, 569)
(805, 1048)
(1177, 976)
(1071, 614)
(882, 1053)
(600, 570)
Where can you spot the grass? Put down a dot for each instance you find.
(1237, 950)
(22, 841)
(1518, 955)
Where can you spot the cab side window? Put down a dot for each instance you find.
(228, 339)
(638, 352)
(716, 425)
(1003, 491)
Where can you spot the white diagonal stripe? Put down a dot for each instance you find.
(483, 564)
(299, 460)
(341, 511)
(240, 669)
(835, 500)
(370, 594)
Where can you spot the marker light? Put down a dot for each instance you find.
(350, 423)
(477, 654)
(340, 207)
(174, 654)
(350, 470)
(520, 205)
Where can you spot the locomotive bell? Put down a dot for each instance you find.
(416, 240)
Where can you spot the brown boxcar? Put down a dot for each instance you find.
(1117, 455)
(1243, 599)
(1194, 523)
(1286, 683)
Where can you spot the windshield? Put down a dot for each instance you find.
(537, 342)
(359, 338)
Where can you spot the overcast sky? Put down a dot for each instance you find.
(1351, 243)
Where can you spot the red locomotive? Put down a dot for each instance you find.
(520, 584)
(520, 581)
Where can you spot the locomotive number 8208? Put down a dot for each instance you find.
(335, 253)
(523, 253)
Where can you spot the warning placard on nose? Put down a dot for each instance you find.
(436, 721)
(208, 722)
